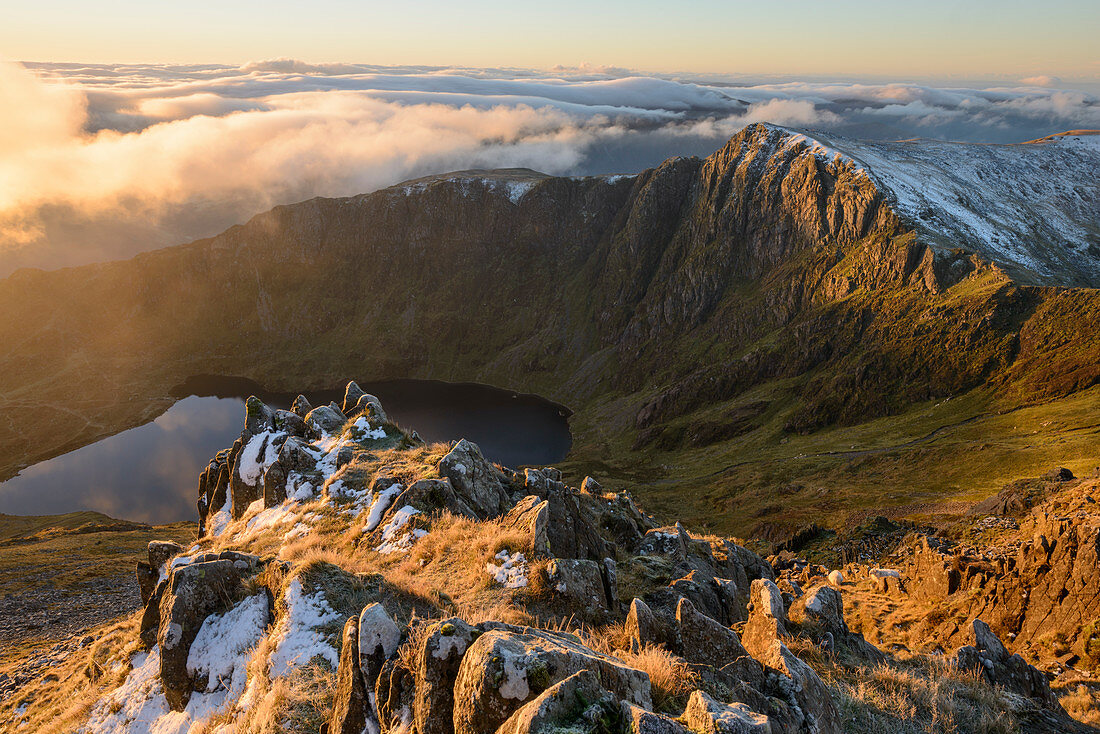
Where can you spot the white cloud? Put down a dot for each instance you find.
(176, 152)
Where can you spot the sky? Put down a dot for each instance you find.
(931, 38)
(128, 126)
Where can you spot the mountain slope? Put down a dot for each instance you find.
(706, 315)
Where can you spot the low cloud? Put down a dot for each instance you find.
(99, 162)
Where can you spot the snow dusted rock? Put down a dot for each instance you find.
(162, 551)
(475, 479)
(502, 670)
(326, 419)
(378, 639)
(393, 697)
(707, 716)
(574, 704)
(258, 417)
(767, 618)
(194, 592)
(989, 658)
(705, 641)
(639, 721)
(351, 709)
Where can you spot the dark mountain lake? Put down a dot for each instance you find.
(150, 473)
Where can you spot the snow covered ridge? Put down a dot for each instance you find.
(1032, 208)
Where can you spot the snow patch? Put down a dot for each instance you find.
(297, 641)
(511, 572)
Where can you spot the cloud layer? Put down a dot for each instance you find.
(99, 162)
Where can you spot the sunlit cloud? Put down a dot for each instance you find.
(101, 161)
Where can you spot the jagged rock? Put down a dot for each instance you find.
(767, 618)
(637, 720)
(715, 597)
(350, 709)
(541, 482)
(591, 486)
(378, 638)
(194, 592)
(258, 417)
(358, 402)
(432, 494)
(705, 641)
(707, 716)
(393, 697)
(352, 393)
(502, 670)
(989, 658)
(301, 406)
(326, 419)
(1058, 474)
(291, 423)
(572, 705)
(162, 551)
(437, 663)
(663, 542)
(475, 480)
(643, 626)
(147, 578)
(531, 515)
(581, 582)
(803, 689)
(558, 525)
(621, 518)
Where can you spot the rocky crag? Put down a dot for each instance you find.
(715, 315)
(350, 578)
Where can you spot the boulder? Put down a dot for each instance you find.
(350, 709)
(988, 657)
(326, 419)
(301, 406)
(162, 551)
(502, 670)
(803, 690)
(378, 639)
(147, 578)
(475, 479)
(644, 627)
(821, 606)
(767, 621)
(393, 697)
(437, 661)
(194, 592)
(531, 516)
(582, 583)
(575, 705)
(703, 641)
(704, 715)
(836, 578)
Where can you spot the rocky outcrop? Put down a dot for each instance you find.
(987, 657)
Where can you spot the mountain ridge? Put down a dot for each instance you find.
(656, 306)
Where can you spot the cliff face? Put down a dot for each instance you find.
(775, 260)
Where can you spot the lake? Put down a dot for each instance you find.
(150, 473)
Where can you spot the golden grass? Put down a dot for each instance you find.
(671, 678)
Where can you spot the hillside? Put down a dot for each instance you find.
(351, 578)
(772, 318)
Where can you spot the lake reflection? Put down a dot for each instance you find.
(150, 473)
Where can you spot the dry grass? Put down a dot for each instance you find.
(671, 677)
(1081, 700)
(62, 698)
(922, 696)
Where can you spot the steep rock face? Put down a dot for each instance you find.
(687, 285)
